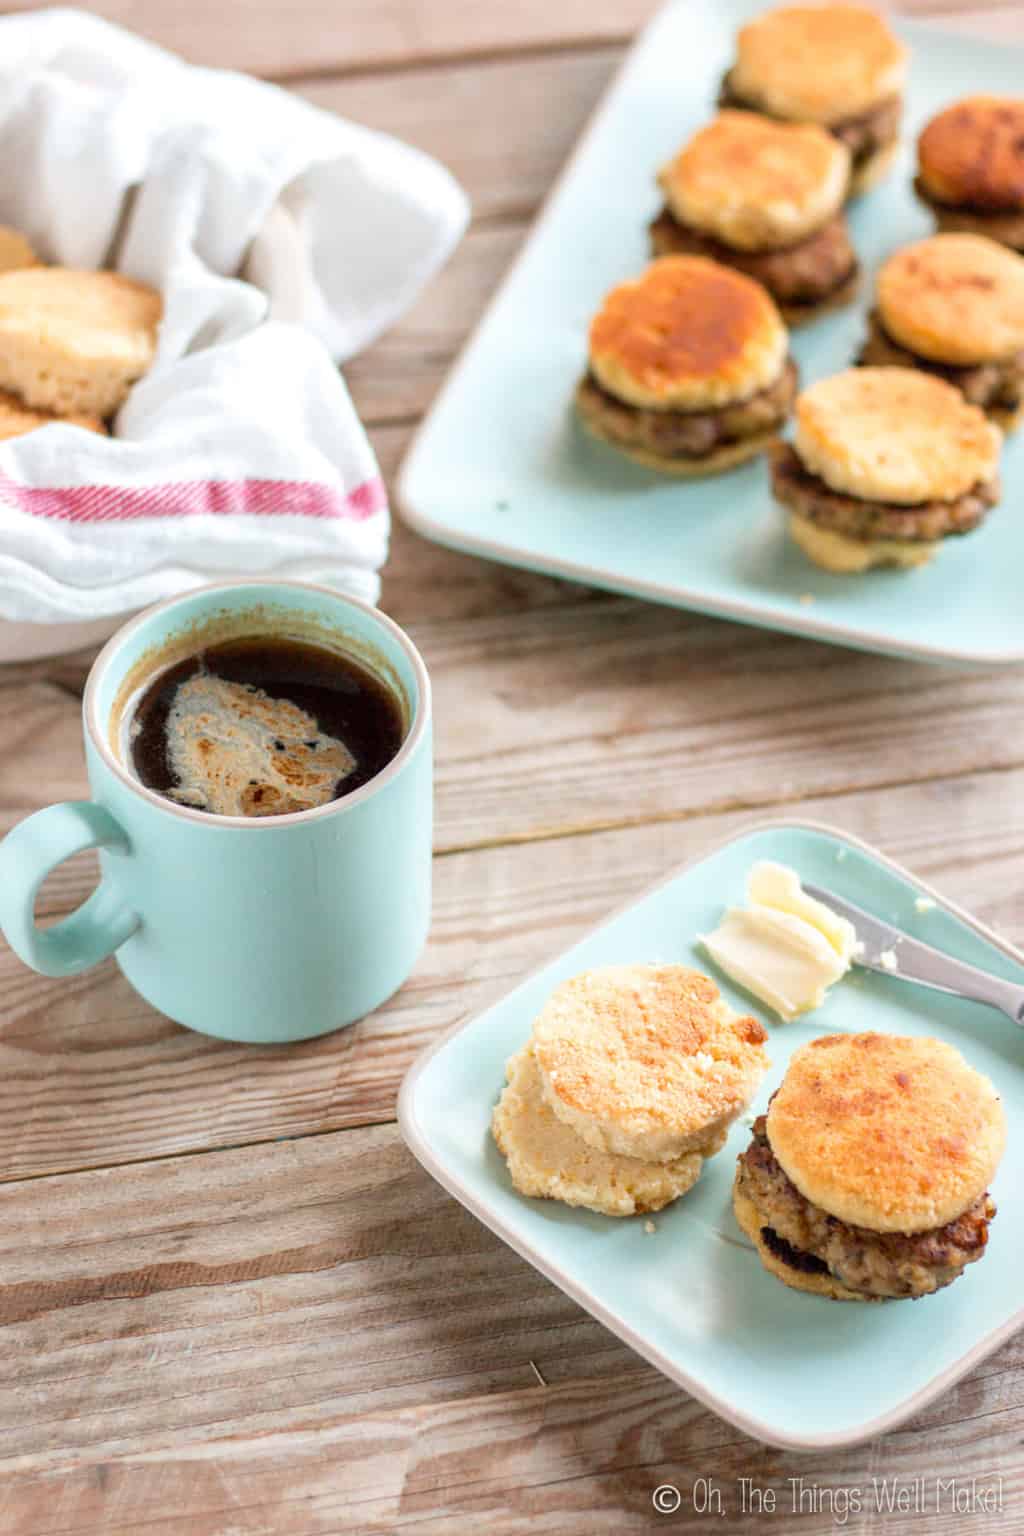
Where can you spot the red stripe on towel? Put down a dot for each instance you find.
(190, 498)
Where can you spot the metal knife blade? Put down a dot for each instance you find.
(921, 963)
(878, 938)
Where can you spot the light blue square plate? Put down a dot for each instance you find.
(789, 1368)
(501, 469)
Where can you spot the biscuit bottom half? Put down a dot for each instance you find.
(816, 274)
(689, 442)
(811, 1250)
(547, 1160)
(850, 534)
(998, 387)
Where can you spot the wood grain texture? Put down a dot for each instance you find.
(307, 37)
(506, 160)
(249, 1313)
(90, 1075)
(270, 1339)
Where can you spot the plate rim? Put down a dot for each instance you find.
(750, 1424)
(737, 610)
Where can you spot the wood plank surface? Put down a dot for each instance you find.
(212, 1276)
(227, 1293)
(317, 37)
(90, 1075)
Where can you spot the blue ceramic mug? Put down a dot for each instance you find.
(258, 929)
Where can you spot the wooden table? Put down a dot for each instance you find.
(231, 1301)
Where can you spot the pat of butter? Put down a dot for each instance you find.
(783, 946)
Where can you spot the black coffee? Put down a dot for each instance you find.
(263, 726)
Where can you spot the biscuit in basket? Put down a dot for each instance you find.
(689, 370)
(885, 463)
(17, 419)
(647, 1061)
(766, 198)
(75, 342)
(868, 1178)
(837, 65)
(954, 306)
(971, 167)
(15, 250)
(546, 1160)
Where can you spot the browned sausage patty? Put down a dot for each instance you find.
(795, 487)
(811, 1241)
(990, 385)
(686, 434)
(1007, 228)
(807, 273)
(863, 135)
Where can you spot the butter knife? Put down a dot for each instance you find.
(921, 963)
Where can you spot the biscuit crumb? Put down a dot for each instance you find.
(649, 1227)
(807, 598)
(888, 961)
(924, 904)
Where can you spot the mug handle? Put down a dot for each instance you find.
(27, 855)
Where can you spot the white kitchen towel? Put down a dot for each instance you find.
(240, 450)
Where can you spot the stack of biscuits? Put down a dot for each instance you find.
(868, 1178)
(953, 306)
(971, 168)
(72, 343)
(631, 1078)
(689, 371)
(885, 464)
(766, 198)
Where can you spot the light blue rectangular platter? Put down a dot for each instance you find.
(501, 469)
(789, 1368)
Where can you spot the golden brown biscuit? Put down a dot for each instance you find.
(685, 334)
(955, 299)
(547, 1160)
(818, 64)
(75, 341)
(848, 556)
(15, 250)
(17, 419)
(646, 1061)
(749, 1220)
(755, 183)
(886, 1132)
(894, 435)
(973, 153)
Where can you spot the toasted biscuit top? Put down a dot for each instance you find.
(646, 1057)
(973, 153)
(16, 418)
(15, 250)
(955, 299)
(96, 316)
(886, 1132)
(818, 64)
(685, 334)
(894, 434)
(757, 183)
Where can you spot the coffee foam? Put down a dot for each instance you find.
(236, 751)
